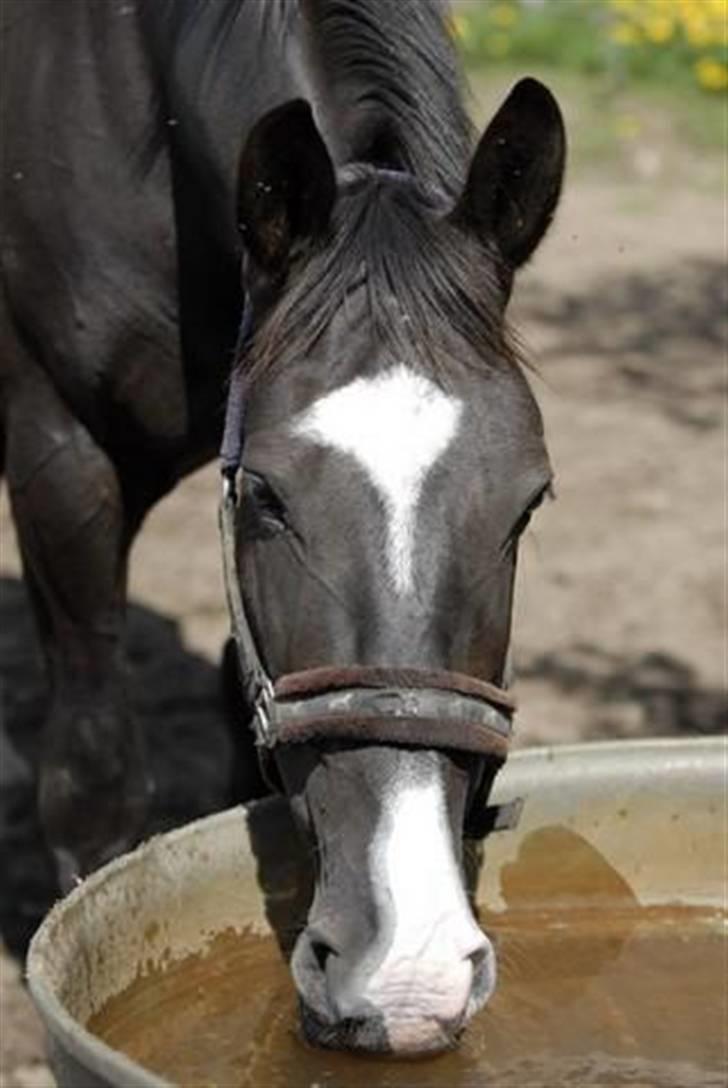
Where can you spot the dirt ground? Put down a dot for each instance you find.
(620, 619)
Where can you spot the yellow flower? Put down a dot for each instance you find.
(704, 21)
(658, 28)
(717, 13)
(712, 75)
(503, 15)
(717, 10)
(626, 34)
(698, 30)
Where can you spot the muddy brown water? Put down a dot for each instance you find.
(586, 997)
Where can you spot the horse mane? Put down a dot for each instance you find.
(427, 286)
(383, 73)
(390, 73)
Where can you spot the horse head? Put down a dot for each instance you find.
(394, 454)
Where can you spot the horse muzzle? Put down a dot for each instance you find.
(412, 1003)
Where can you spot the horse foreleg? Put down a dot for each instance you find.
(74, 537)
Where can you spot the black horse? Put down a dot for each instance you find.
(394, 451)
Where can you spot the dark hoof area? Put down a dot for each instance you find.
(94, 800)
(175, 696)
(68, 870)
(72, 868)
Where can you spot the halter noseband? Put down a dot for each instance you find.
(416, 707)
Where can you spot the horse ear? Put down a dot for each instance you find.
(286, 185)
(515, 177)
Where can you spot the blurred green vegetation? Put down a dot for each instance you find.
(635, 66)
(680, 41)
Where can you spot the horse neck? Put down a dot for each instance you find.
(382, 76)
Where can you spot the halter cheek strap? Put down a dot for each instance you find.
(233, 436)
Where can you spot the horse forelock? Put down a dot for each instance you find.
(426, 284)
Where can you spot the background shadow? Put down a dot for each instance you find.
(664, 690)
(178, 695)
(662, 334)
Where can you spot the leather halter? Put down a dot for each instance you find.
(369, 705)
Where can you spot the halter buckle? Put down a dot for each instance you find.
(229, 489)
(264, 734)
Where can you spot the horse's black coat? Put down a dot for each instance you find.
(142, 140)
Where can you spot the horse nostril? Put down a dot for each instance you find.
(484, 973)
(311, 964)
(321, 952)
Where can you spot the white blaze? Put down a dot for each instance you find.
(424, 975)
(413, 862)
(395, 425)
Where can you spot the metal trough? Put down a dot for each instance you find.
(654, 810)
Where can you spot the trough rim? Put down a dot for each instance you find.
(88, 1049)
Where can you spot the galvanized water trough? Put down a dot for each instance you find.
(171, 896)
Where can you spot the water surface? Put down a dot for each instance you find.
(587, 998)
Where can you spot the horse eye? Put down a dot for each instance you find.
(522, 524)
(263, 510)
